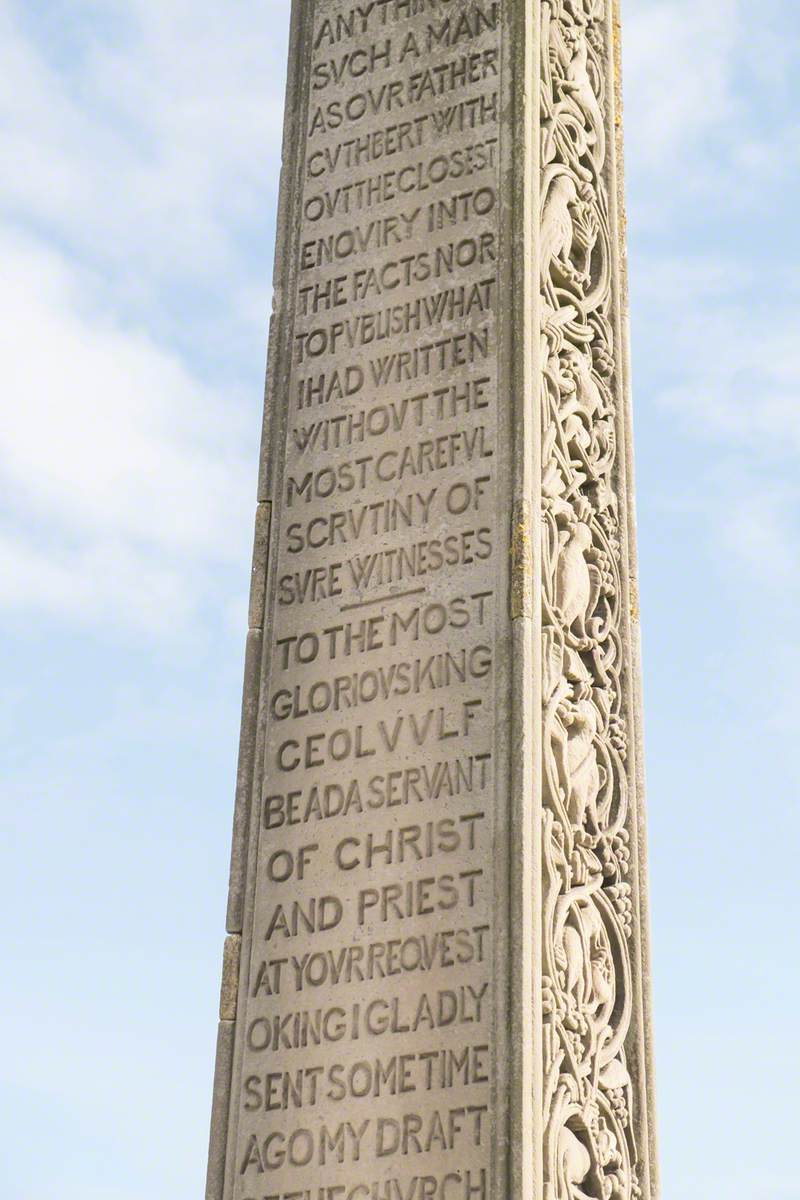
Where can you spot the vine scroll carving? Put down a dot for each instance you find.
(592, 1140)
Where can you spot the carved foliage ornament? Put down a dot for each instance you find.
(590, 1150)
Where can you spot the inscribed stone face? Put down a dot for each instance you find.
(434, 994)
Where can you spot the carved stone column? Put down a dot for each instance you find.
(597, 1097)
(436, 981)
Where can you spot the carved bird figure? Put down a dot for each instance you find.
(574, 582)
(558, 230)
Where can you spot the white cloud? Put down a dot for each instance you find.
(125, 472)
(759, 530)
(710, 119)
(732, 354)
(104, 582)
(109, 431)
(148, 151)
(141, 142)
(728, 362)
(679, 63)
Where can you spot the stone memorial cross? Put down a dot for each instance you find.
(436, 981)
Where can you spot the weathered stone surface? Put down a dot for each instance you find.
(438, 868)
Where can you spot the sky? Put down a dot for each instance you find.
(140, 143)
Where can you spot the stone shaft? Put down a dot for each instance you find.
(435, 982)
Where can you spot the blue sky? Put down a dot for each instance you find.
(141, 141)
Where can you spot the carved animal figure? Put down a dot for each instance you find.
(589, 971)
(584, 777)
(558, 230)
(589, 1118)
(584, 400)
(578, 368)
(577, 583)
(574, 1164)
(579, 85)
